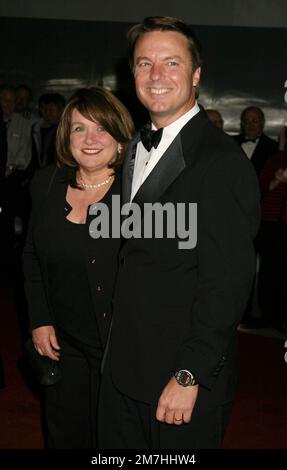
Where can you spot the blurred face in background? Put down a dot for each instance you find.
(215, 118)
(252, 124)
(23, 99)
(7, 102)
(52, 113)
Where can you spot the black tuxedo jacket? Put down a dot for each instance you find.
(263, 150)
(177, 308)
(101, 255)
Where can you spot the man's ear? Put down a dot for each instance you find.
(196, 76)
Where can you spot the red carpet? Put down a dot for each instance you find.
(259, 418)
(19, 409)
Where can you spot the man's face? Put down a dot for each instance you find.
(215, 118)
(7, 102)
(52, 113)
(252, 124)
(163, 75)
(23, 99)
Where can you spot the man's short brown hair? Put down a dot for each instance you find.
(165, 23)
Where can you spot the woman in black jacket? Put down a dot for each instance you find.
(70, 275)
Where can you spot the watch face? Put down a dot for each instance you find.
(185, 378)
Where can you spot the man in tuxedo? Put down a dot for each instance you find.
(170, 371)
(257, 146)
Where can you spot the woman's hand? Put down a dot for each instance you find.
(279, 177)
(45, 342)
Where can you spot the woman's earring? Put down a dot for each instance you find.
(120, 148)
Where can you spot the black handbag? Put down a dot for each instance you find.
(45, 370)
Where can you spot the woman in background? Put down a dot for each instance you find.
(272, 239)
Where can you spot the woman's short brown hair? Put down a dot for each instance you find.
(98, 105)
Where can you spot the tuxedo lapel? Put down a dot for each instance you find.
(181, 152)
(128, 169)
(164, 173)
(166, 170)
(192, 137)
(173, 161)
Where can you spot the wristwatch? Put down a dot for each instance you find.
(185, 378)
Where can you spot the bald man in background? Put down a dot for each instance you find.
(215, 118)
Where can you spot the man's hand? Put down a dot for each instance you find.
(176, 403)
(45, 342)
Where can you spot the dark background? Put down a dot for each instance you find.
(243, 65)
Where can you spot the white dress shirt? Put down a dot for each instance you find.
(146, 161)
(249, 147)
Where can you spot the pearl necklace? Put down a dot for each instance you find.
(97, 185)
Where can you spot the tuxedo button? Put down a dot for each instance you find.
(104, 314)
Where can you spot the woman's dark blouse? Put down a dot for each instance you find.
(68, 280)
(69, 275)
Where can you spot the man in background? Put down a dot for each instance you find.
(51, 106)
(215, 118)
(257, 146)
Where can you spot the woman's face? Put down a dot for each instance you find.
(91, 145)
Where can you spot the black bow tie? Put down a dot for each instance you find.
(249, 140)
(150, 138)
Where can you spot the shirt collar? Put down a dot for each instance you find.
(174, 128)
